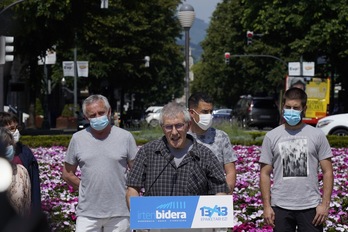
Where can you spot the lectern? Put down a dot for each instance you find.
(180, 212)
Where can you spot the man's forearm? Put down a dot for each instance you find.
(73, 181)
(231, 181)
(230, 170)
(265, 186)
(69, 176)
(327, 188)
(131, 192)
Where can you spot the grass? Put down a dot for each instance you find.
(144, 134)
(238, 135)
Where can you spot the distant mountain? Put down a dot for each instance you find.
(197, 35)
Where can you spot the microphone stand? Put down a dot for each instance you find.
(196, 160)
(170, 159)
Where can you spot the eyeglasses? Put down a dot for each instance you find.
(178, 127)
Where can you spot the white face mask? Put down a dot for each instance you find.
(205, 121)
(16, 135)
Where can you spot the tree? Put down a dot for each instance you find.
(118, 40)
(114, 41)
(289, 30)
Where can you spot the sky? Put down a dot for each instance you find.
(203, 8)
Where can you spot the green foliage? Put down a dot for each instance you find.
(237, 136)
(114, 41)
(338, 141)
(46, 140)
(146, 134)
(68, 111)
(287, 30)
(38, 107)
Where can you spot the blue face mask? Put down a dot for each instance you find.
(292, 117)
(99, 123)
(9, 153)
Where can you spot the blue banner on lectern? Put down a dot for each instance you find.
(176, 212)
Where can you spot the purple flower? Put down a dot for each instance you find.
(59, 200)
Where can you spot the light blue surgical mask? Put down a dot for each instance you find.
(9, 153)
(99, 123)
(292, 117)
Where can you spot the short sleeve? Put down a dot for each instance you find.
(227, 150)
(132, 147)
(266, 151)
(70, 156)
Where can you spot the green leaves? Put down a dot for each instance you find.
(287, 29)
(114, 41)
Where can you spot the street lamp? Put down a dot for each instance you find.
(186, 17)
(63, 82)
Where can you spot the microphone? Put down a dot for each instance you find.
(174, 178)
(170, 159)
(194, 156)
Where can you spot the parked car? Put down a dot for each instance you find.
(334, 124)
(222, 115)
(257, 112)
(152, 115)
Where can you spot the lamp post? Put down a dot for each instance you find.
(47, 122)
(75, 79)
(186, 17)
(63, 82)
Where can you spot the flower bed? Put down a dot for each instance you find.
(59, 201)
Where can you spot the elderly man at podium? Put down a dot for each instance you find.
(175, 165)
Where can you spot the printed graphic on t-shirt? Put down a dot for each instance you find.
(294, 155)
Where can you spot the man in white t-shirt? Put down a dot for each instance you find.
(103, 153)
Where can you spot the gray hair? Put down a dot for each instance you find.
(94, 98)
(172, 109)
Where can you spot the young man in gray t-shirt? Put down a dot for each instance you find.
(292, 153)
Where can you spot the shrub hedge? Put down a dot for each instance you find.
(251, 138)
